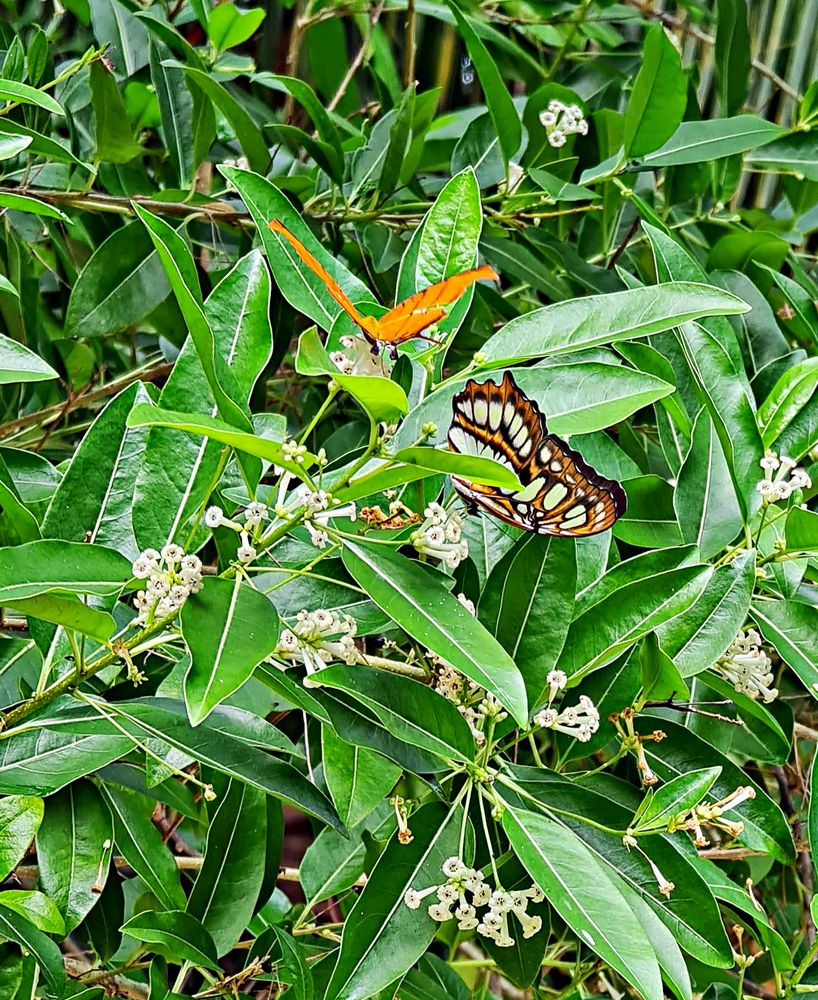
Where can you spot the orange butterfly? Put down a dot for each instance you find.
(409, 318)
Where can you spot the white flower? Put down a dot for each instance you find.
(800, 479)
(142, 567)
(747, 667)
(580, 721)
(294, 452)
(173, 553)
(788, 463)
(766, 487)
(318, 536)
(547, 119)
(781, 487)
(467, 604)
(769, 464)
(213, 517)
(246, 553)
(556, 139)
(561, 120)
(440, 536)
(453, 867)
(783, 490)
(439, 912)
(556, 680)
(318, 638)
(255, 513)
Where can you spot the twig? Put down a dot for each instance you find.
(623, 245)
(355, 65)
(691, 708)
(677, 24)
(411, 43)
(82, 400)
(115, 985)
(802, 861)
(730, 853)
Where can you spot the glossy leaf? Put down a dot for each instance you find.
(19, 364)
(224, 894)
(696, 142)
(229, 628)
(180, 934)
(357, 778)
(20, 818)
(658, 98)
(595, 320)
(66, 567)
(429, 613)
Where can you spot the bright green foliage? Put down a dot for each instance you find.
(282, 716)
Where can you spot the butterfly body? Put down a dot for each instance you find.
(561, 494)
(407, 319)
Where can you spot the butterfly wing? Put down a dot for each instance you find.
(421, 310)
(318, 269)
(561, 494)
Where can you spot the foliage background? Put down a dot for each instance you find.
(156, 352)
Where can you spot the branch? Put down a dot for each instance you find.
(118, 986)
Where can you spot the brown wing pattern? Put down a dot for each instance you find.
(561, 495)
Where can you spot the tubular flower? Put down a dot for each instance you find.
(318, 638)
(579, 722)
(747, 667)
(171, 577)
(440, 536)
(561, 120)
(775, 484)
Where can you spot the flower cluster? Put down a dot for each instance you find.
(319, 511)
(255, 516)
(712, 814)
(441, 536)
(358, 358)
(580, 721)
(453, 903)
(171, 578)
(776, 485)
(747, 667)
(561, 120)
(318, 638)
(631, 740)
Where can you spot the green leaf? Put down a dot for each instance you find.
(140, 843)
(227, 26)
(224, 894)
(218, 742)
(20, 818)
(115, 25)
(36, 908)
(247, 132)
(411, 711)
(448, 243)
(176, 110)
(631, 610)
(229, 628)
(765, 826)
(19, 364)
(425, 609)
(606, 319)
(698, 637)
(298, 972)
(691, 913)
(501, 107)
(802, 529)
(177, 934)
(147, 415)
(33, 942)
(794, 154)
(71, 850)
(791, 627)
(68, 611)
(791, 393)
(382, 937)
(705, 500)
(297, 283)
(25, 203)
(658, 98)
(66, 567)
(331, 864)
(472, 467)
(529, 593)
(649, 519)
(400, 135)
(732, 52)
(382, 398)
(114, 139)
(702, 141)
(675, 798)
(21, 93)
(585, 895)
(358, 779)
(122, 283)
(177, 471)
(94, 500)
(180, 269)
